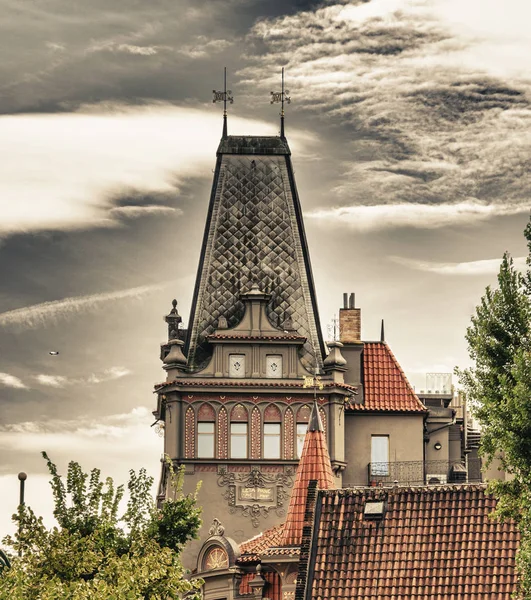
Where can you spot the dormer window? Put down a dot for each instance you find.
(237, 365)
(274, 365)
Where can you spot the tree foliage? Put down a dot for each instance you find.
(498, 387)
(93, 553)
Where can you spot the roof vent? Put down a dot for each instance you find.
(374, 510)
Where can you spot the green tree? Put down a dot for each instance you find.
(498, 387)
(93, 553)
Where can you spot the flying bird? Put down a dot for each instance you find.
(53, 353)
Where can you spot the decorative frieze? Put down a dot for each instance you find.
(256, 434)
(255, 494)
(223, 435)
(289, 434)
(189, 434)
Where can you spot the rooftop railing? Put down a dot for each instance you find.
(423, 472)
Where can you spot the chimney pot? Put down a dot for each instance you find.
(352, 301)
(345, 300)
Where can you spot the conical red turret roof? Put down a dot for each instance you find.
(314, 465)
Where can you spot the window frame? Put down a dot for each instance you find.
(269, 436)
(382, 470)
(202, 435)
(239, 435)
(298, 437)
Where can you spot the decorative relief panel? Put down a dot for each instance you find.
(256, 434)
(237, 365)
(206, 413)
(303, 416)
(223, 436)
(189, 433)
(289, 426)
(255, 494)
(272, 414)
(239, 413)
(274, 366)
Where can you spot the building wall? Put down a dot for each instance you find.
(220, 498)
(405, 441)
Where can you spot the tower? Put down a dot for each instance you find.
(237, 400)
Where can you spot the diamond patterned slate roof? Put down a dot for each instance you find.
(385, 385)
(254, 233)
(435, 543)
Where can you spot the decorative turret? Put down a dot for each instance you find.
(314, 465)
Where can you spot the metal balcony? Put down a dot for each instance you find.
(423, 472)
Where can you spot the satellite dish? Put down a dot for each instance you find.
(53, 353)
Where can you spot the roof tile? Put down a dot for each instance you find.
(386, 387)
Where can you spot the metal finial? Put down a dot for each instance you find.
(224, 96)
(281, 97)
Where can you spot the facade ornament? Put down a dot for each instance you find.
(216, 528)
(222, 322)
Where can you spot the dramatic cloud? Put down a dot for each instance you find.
(63, 171)
(40, 315)
(11, 381)
(424, 126)
(475, 267)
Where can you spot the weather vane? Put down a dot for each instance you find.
(224, 96)
(314, 382)
(281, 97)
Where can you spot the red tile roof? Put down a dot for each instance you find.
(257, 545)
(211, 381)
(385, 385)
(314, 465)
(435, 543)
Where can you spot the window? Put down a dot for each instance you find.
(302, 428)
(238, 440)
(205, 440)
(380, 455)
(236, 365)
(271, 440)
(274, 365)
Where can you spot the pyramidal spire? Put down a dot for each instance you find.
(254, 233)
(313, 465)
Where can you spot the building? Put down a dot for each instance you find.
(400, 542)
(242, 378)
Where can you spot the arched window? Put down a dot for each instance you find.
(206, 422)
(239, 432)
(272, 432)
(303, 417)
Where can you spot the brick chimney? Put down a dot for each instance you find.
(349, 321)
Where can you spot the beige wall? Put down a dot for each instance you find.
(237, 525)
(405, 441)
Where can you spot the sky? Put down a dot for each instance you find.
(410, 127)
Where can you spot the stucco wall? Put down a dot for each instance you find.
(405, 441)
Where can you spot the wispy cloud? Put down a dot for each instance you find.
(428, 216)
(11, 381)
(135, 212)
(60, 381)
(39, 315)
(475, 267)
